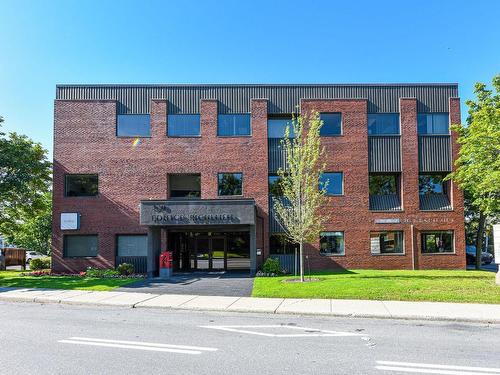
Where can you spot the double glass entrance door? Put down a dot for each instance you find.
(209, 254)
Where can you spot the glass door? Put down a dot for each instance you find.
(218, 253)
(201, 256)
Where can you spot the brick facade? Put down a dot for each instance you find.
(85, 141)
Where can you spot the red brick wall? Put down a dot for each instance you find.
(86, 142)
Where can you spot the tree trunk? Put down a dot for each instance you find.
(479, 239)
(301, 254)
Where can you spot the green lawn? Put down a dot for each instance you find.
(14, 279)
(435, 285)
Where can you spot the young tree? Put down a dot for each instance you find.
(478, 164)
(25, 175)
(302, 197)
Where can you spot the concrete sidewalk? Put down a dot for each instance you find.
(350, 308)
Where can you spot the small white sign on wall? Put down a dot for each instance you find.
(70, 221)
(496, 242)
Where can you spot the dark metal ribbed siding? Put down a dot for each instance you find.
(277, 155)
(435, 202)
(288, 262)
(384, 154)
(282, 98)
(274, 224)
(385, 203)
(140, 263)
(434, 153)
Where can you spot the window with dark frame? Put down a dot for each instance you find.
(433, 123)
(332, 124)
(279, 244)
(131, 245)
(383, 124)
(383, 184)
(333, 182)
(81, 185)
(437, 242)
(183, 125)
(275, 186)
(431, 184)
(331, 243)
(233, 125)
(276, 127)
(184, 185)
(79, 246)
(386, 242)
(230, 184)
(133, 126)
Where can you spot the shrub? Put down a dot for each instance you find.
(38, 273)
(101, 272)
(40, 264)
(125, 269)
(272, 266)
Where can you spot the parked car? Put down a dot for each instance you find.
(33, 255)
(470, 251)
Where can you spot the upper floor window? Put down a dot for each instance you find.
(231, 125)
(332, 124)
(133, 126)
(80, 185)
(184, 185)
(431, 184)
(333, 181)
(276, 127)
(433, 123)
(383, 184)
(383, 124)
(183, 126)
(275, 186)
(230, 184)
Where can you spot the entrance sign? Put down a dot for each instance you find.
(198, 212)
(70, 221)
(388, 221)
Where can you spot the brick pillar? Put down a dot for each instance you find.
(209, 141)
(158, 113)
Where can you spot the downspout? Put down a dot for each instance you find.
(412, 248)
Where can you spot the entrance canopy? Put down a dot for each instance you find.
(197, 212)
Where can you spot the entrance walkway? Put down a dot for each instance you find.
(237, 284)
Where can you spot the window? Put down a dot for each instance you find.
(331, 243)
(386, 242)
(383, 184)
(184, 185)
(431, 184)
(80, 185)
(183, 125)
(437, 242)
(433, 123)
(332, 124)
(233, 125)
(276, 127)
(132, 245)
(278, 244)
(230, 184)
(274, 186)
(383, 123)
(333, 182)
(80, 246)
(133, 126)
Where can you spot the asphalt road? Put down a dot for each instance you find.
(62, 339)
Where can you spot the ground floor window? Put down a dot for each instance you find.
(279, 244)
(331, 243)
(390, 242)
(80, 246)
(437, 242)
(132, 245)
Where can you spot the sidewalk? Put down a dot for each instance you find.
(466, 312)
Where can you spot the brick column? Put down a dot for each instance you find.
(209, 156)
(158, 113)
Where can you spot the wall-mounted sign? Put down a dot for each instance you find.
(70, 221)
(375, 245)
(198, 212)
(388, 221)
(425, 220)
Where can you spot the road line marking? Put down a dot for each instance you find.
(431, 371)
(443, 367)
(135, 347)
(314, 332)
(160, 345)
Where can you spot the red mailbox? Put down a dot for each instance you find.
(166, 259)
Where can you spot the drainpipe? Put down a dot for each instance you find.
(412, 247)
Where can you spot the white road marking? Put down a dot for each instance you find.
(427, 368)
(308, 332)
(138, 345)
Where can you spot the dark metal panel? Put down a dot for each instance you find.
(277, 155)
(435, 202)
(384, 154)
(282, 98)
(385, 203)
(139, 263)
(274, 224)
(434, 153)
(287, 262)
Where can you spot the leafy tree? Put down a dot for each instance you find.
(478, 164)
(302, 197)
(25, 175)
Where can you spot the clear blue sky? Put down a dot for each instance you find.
(43, 43)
